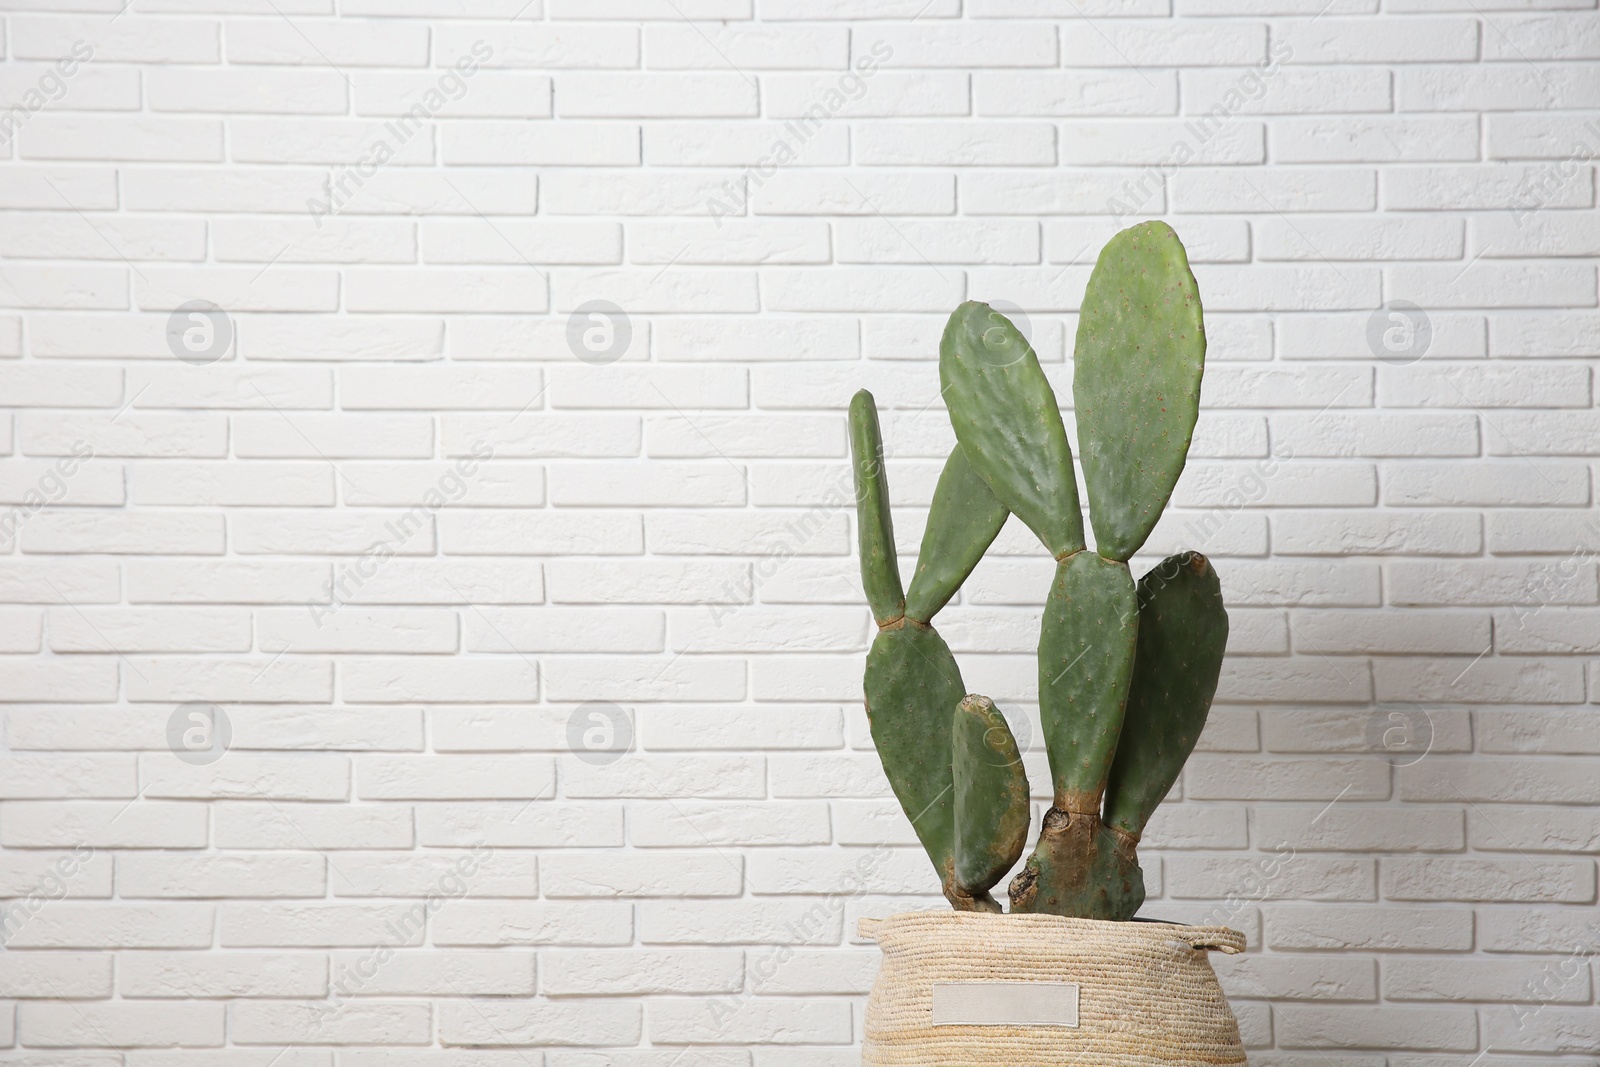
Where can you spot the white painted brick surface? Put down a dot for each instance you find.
(538, 634)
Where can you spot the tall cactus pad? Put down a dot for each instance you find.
(963, 522)
(912, 686)
(1086, 648)
(880, 573)
(991, 792)
(1136, 382)
(1183, 629)
(1080, 868)
(1005, 416)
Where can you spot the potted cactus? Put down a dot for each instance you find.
(1127, 671)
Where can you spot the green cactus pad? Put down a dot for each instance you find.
(880, 573)
(1007, 421)
(1183, 629)
(1081, 869)
(963, 522)
(991, 799)
(1086, 647)
(912, 685)
(1140, 352)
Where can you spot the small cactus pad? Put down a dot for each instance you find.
(1005, 416)
(912, 684)
(1081, 869)
(1140, 352)
(1086, 648)
(880, 574)
(1183, 629)
(991, 791)
(963, 522)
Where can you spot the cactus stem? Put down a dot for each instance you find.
(1078, 803)
(961, 899)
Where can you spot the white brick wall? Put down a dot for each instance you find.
(437, 554)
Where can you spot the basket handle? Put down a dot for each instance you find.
(868, 928)
(1221, 938)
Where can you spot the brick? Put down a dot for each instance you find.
(1537, 781)
(1525, 584)
(498, 923)
(1534, 929)
(887, 93)
(237, 875)
(669, 875)
(1336, 433)
(1555, 1029)
(357, 1023)
(114, 926)
(1293, 877)
(1390, 631)
(1521, 680)
(632, 972)
(1374, 139)
(1548, 630)
(1317, 1027)
(315, 925)
(1403, 40)
(302, 777)
(359, 44)
(1238, 777)
(56, 974)
(1361, 240)
(668, 46)
(1362, 828)
(231, 975)
(1549, 433)
(1282, 90)
(478, 872)
(1291, 190)
(556, 1023)
(701, 825)
(1453, 386)
(1396, 533)
(739, 922)
(1373, 928)
(1537, 730)
(454, 777)
(1514, 186)
(1298, 979)
(767, 1019)
(1501, 979)
(1131, 44)
(1446, 878)
(517, 824)
(449, 973)
(112, 1024)
(249, 825)
(101, 824)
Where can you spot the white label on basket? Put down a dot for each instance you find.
(1005, 1004)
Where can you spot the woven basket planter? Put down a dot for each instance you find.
(966, 989)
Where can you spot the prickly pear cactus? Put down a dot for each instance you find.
(1005, 416)
(1136, 382)
(991, 791)
(1183, 629)
(1126, 672)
